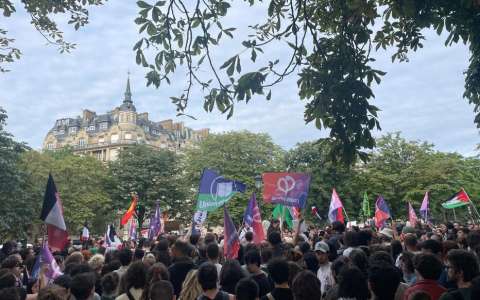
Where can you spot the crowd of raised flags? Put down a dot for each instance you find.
(288, 191)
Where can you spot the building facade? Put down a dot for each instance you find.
(104, 135)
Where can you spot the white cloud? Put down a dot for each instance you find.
(422, 98)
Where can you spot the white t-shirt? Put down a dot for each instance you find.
(325, 276)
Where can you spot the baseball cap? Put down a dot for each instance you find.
(322, 247)
(387, 232)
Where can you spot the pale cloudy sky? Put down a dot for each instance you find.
(422, 98)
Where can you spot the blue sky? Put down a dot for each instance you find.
(422, 98)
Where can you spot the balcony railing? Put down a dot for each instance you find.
(105, 144)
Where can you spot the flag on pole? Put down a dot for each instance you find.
(281, 212)
(366, 206)
(335, 211)
(459, 199)
(53, 270)
(315, 212)
(424, 207)
(52, 215)
(231, 243)
(382, 212)
(215, 190)
(132, 232)
(131, 210)
(253, 219)
(412, 217)
(290, 189)
(85, 233)
(155, 223)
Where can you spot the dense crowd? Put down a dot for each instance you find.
(397, 262)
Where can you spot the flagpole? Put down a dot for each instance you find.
(345, 212)
(474, 208)
(454, 215)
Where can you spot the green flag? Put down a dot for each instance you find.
(283, 213)
(366, 206)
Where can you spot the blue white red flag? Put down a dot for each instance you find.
(382, 212)
(253, 219)
(335, 211)
(231, 243)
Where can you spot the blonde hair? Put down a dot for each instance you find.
(96, 262)
(191, 288)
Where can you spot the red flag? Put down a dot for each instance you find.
(231, 243)
(129, 213)
(412, 217)
(335, 211)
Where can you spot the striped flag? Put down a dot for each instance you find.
(231, 243)
(253, 219)
(412, 217)
(382, 212)
(52, 215)
(335, 211)
(459, 199)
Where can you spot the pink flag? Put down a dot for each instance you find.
(412, 217)
(424, 207)
(335, 210)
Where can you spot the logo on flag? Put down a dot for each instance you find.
(215, 190)
(289, 189)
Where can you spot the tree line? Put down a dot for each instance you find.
(398, 169)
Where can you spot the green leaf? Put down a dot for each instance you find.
(143, 4)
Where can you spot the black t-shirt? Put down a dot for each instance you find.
(280, 294)
(220, 296)
(263, 284)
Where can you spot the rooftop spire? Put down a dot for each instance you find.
(128, 93)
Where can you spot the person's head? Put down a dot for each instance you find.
(194, 238)
(406, 262)
(157, 272)
(462, 266)
(7, 278)
(427, 266)
(321, 251)
(213, 251)
(380, 256)
(431, 246)
(96, 262)
(125, 256)
(83, 286)
(63, 281)
(191, 288)
(350, 239)
(136, 276)
(410, 242)
(52, 292)
(396, 248)
(278, 270)
(10, 293)
(138, 254)
(293, 270)
(352, 284)
(266, 253)
(338, 227)
(421, 295)
(275, 238)
(161, 290)
(14, 264)
(304, 247)
(180, 249)
(253, 260)
(306, 286)
(383, 280)
(359, 259)
(337, 265)
(207, 276)
(311, 262)
(79, 268)
(109, 283)
(230, 274)
(473, 239)
(249, 236)
(246, 289)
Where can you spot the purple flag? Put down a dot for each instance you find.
(155, 223)
(231, 243)
(424, 207)
(53, 270)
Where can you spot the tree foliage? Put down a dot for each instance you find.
(152, 175)
(331, 42)
(235, 155)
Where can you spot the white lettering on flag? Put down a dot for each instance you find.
(224, 189)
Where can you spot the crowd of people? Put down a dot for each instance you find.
(397, 262)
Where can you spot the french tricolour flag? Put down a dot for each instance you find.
(52, 215)
(336, 207)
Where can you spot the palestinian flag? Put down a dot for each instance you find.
(52, 215)
(459, 199)
(282, 213)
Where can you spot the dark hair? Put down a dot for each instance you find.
(337, 266)
(350, 239)
(421, 295)
(359, 259)
(275, 238)
(364, 237)
(306, 286)
(209, 238)
(11, 293)
(182, 247)
(338, 226)
(380, 256)
(161, 290)
(352, 284)
(11, 262)
(125, 256)
(278, 270)
(435, 247)
(407, 259)
(473, 238)
(194, 238)
(7, 278)
(50, 293)
(475, 288)
(396, 249)
(428, 265)
(79, 268)
(410, 240)
(230, 274)
(249, 236)
(253, 257)
(304, 247)
(212, 251)
(246, 289)
(311, 261)
(384, 279)
(136, 275)
(293, 270)
(64, 281)
(82, 285)
(110, 267)
(207, 276)
(109, 283)
(266, 253)
(462, 260)
(138, 254)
